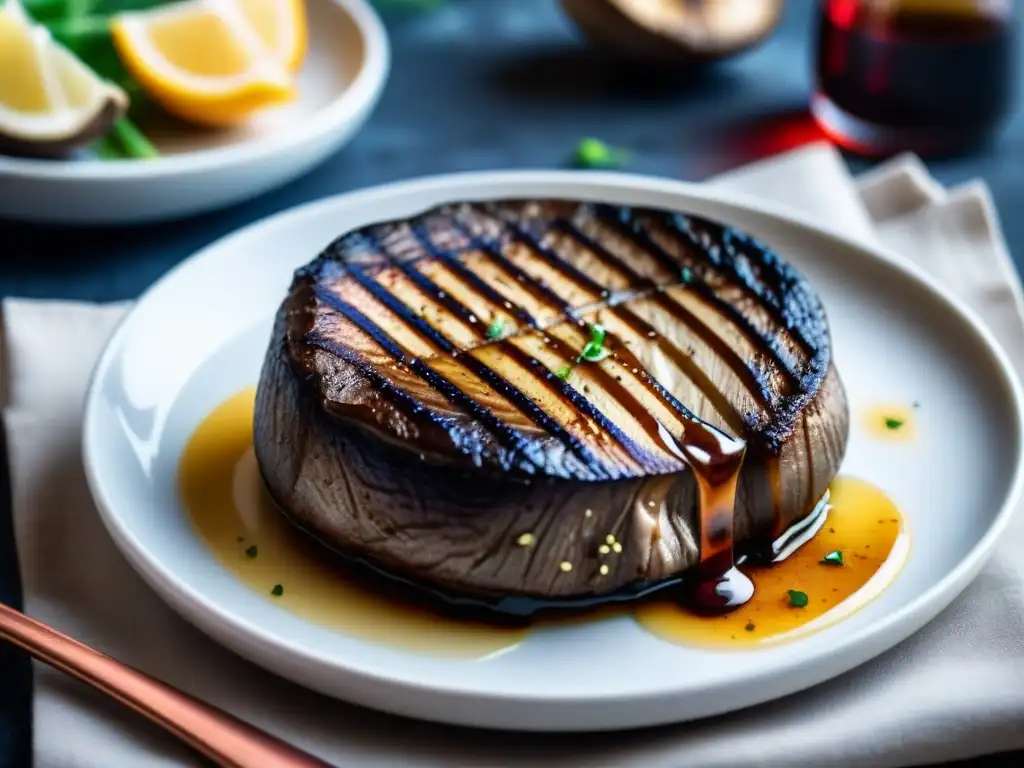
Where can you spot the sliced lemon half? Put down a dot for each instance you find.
(215, 62)
(50, 102)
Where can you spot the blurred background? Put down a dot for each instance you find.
(483, 84)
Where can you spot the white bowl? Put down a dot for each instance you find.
(200, 170)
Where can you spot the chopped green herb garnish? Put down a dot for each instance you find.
(687, 275)
(495, 329)
(797, 599)
(277, 591)
(892, 423)
(835, 557)
(252, 551)
(594, 349)
(594, 153)
(563, 372)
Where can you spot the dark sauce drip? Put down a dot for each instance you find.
(716, 460)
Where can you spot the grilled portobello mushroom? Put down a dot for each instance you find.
(520, 404)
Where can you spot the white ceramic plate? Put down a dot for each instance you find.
(200, 170)
(200, 333)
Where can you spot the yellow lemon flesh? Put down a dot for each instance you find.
(50, 102)
(215, 62)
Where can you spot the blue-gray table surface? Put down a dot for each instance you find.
(477, 84)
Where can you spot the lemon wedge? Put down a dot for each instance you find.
(50, 102)
(214, 62)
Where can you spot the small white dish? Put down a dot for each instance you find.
(342, 78)
(898, 337)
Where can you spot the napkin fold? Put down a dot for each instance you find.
(953, 690)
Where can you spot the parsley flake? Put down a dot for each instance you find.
(892, 423)
(277, 591)
(594, 350)
(251, 552)
(496, 329)
(594, 153)
(835, 557)
(797, 599)
(563, 372)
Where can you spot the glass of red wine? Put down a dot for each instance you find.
(927, 76)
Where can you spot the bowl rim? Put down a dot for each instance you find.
(363, 89)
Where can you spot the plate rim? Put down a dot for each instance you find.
(844, 654)
(363, 90)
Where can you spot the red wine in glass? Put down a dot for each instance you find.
(928, 76)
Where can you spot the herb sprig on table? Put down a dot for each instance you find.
(83, 27)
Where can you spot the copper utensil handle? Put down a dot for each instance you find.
(219, 736)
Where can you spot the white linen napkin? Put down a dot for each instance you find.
(954, 690)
